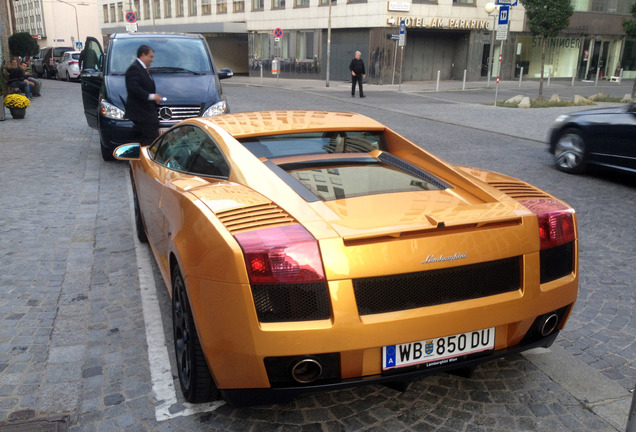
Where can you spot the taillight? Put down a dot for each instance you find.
(73, 62)
(287, 254)
(556, 221)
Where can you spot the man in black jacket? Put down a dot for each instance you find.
(357, 74)
(141, 106)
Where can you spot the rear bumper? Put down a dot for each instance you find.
(250, 397)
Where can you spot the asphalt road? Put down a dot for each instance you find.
(85, 327)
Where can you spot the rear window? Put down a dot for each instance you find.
(75, 56)
(358, 178)
(172, 55)
(57, 52)
(315, 143)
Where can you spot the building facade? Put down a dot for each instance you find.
(57, 22)
(445, 37)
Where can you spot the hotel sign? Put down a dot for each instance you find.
(441, 23)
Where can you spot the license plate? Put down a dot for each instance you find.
(439, 351)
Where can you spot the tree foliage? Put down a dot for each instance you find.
(547, 18)
(23, 44)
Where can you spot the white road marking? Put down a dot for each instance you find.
(160, 369)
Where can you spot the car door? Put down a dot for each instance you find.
(92, 77)
(170, 156)
(613, 137)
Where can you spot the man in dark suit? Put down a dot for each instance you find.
(141, 106)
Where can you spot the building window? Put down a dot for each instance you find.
(464, 2)
(278, 4)
(105, 12)
(137, 9)
(305, 45)
(206, 7)
(156, 8)
(179, 7)
(356, 1)
(113, 14)
(258, 5)
(221, 6)
(301, 3)
(167, 8)
(239, 6)
(146, 9)
(120, 12)
(192, 7)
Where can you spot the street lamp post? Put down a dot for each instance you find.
(328, 44)
(76, 22)
(490, 8)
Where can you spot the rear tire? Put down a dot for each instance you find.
(569, 151)
(68, 78)
(47, 75)
(139, 221)
(197, 384)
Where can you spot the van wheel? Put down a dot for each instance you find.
(47, 75)
(107, 154)
(196, 381)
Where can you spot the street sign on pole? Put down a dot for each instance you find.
(504, 15)
(507, 2)
(402, 37)
(278, 32)
(131, 17)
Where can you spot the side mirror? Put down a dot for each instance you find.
(225, 73)
(130, 151)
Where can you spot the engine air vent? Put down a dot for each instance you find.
(256, 216)
(519, 190)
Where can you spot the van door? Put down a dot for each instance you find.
(92, 77)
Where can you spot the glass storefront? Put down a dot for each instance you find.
(561, 56)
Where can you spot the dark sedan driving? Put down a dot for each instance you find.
(603, 137)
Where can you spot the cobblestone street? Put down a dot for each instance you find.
(77, 342)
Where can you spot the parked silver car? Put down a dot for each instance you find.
(68, 67)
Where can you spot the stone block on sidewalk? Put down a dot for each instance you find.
(626, 98)
(580, 100)
(525, 103)
(597, 96)
(555, 98)
(515, 99)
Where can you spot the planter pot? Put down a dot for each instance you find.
(18, 113)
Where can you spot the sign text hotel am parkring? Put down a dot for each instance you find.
(441, 23)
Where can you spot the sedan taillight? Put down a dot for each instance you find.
(287, 254)
(556, 221)
(73, 62)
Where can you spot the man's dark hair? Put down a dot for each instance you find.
(143, 49)
(23, 62)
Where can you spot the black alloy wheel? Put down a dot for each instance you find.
(197, 384)
(139, 222)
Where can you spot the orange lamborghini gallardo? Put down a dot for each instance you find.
(306, 251)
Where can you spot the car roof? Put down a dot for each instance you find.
(261, 123)
(155, 34)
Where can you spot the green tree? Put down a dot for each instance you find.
(23, 44)
(547, 18)
(630, 28)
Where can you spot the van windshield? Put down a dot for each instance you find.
(172, 55)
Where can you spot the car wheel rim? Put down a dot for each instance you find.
(181, 317)
(569, 151)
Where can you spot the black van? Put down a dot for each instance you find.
(183, 70)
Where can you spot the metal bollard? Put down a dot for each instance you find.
(520, 76)
(464, 82)
(598, 72)
(573, 77)
(549, 75)
(437, 88)
(261, 66)
(620, 77)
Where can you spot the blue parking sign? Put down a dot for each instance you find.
(504, 15)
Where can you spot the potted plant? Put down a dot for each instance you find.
(17, 104)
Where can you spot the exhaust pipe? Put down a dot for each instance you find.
(306, 371)
(549, 324)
